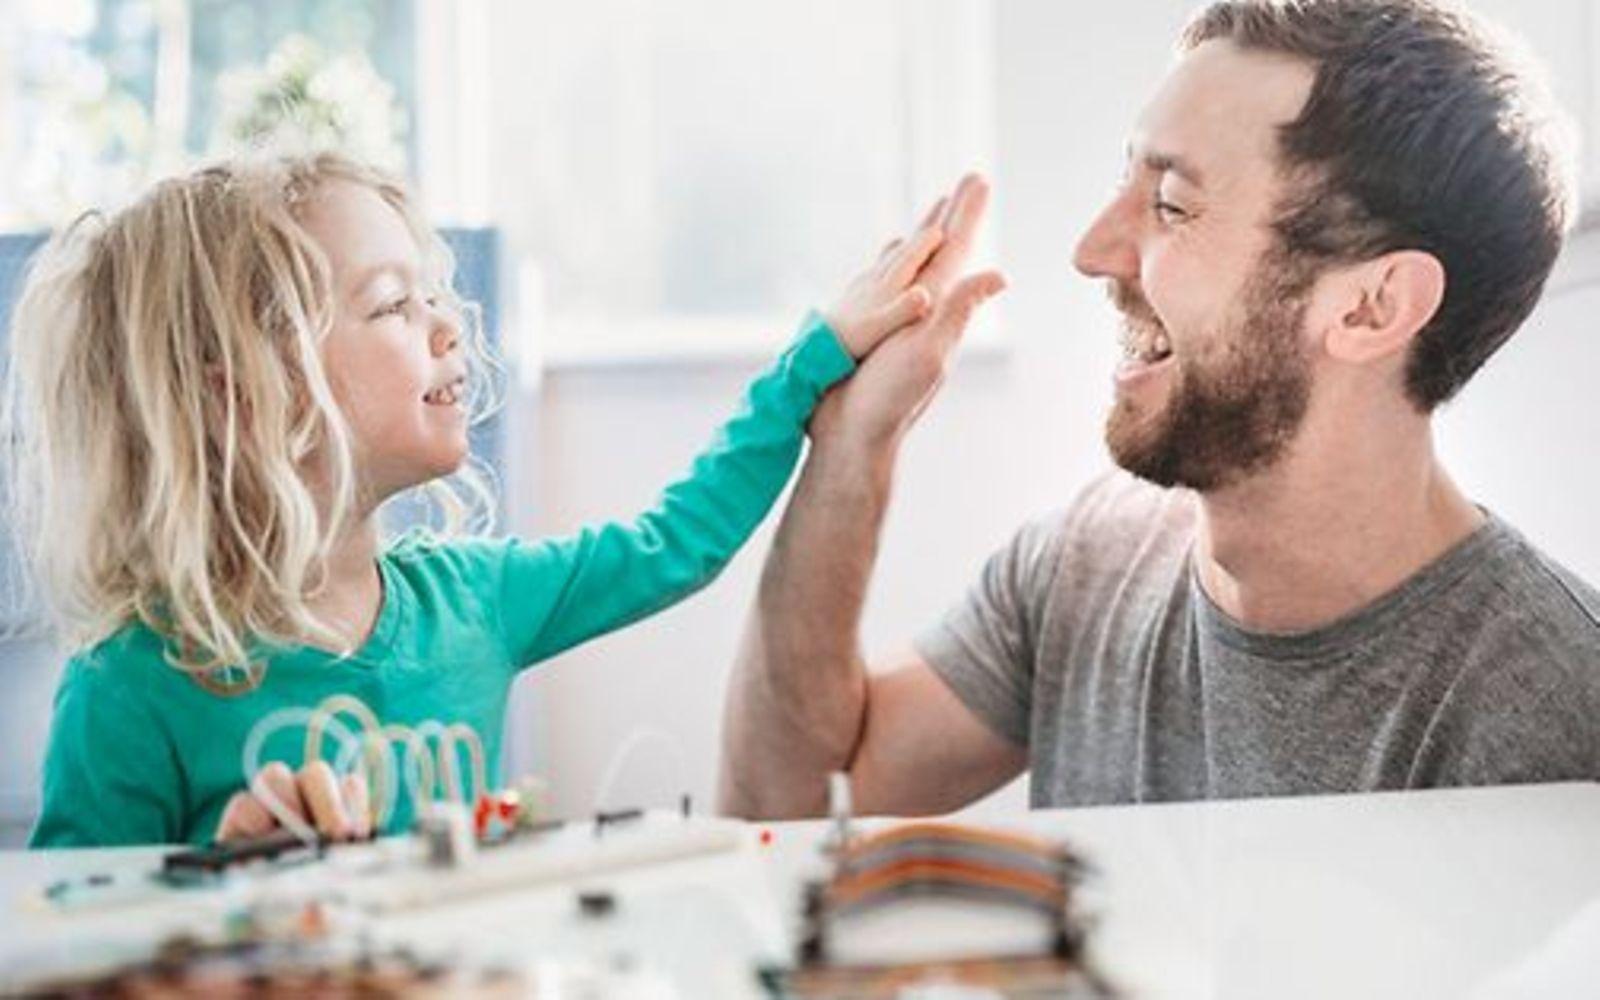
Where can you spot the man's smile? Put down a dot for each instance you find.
(1135, 371)
(1146, 349)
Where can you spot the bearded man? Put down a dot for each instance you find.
(1334, 212)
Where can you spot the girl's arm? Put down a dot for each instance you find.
(556, 593)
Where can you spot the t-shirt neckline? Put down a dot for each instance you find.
(379, 642)
(1355, 627)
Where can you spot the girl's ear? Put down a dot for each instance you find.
(1383, 304)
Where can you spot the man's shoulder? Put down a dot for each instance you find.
(1119, 520)
(1573, 597)
(1549, 613)
(1116, 527)
(1523, 698)
(1522, 634)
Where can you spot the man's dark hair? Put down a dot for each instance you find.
(1418, 134)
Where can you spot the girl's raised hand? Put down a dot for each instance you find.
(886, 297)
(892, 387)
(335, 808)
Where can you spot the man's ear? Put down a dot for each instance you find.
(1384, 303)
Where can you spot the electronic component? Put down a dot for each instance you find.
(597, 903)
(279, 845)
(570, 853)
(882, 877)
(447, 834)
(188, 967)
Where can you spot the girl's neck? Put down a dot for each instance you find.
(352, 594)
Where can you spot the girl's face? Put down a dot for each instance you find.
(393, 357)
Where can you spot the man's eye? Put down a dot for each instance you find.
(1169, 212)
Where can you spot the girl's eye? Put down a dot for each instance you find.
(395, 308)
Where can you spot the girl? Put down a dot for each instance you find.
(211, 393)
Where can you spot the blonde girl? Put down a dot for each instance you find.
(211, 392)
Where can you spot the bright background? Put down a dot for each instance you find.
(673, 181)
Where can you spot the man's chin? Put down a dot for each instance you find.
(1152, 469)
(1159, 458)
(1139, 444)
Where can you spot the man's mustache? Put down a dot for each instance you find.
(1129, 301)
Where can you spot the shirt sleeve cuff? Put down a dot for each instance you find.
(817, 355)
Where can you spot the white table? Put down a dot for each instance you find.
(1424, 894)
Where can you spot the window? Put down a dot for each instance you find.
(693, 174)
(99, 97)
(674, 178)
(103, 95)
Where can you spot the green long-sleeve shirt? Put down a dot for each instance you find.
(140, 752)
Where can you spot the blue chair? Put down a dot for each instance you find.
(15, 251)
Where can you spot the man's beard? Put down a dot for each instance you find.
(1231, 413)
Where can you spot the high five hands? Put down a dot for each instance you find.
(904, 318)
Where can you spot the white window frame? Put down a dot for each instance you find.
(453, 108)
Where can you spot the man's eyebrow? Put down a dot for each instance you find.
(1162, 163)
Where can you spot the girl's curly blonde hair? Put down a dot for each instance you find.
(175, 455)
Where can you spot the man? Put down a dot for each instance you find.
(1334, 211)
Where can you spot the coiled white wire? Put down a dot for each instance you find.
(427, 765)
(374, 752)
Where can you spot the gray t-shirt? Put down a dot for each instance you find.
(1089, 641)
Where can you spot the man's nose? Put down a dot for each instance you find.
(1107, 248)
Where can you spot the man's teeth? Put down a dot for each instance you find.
(1152, 348)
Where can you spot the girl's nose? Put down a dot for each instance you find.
(445, 335)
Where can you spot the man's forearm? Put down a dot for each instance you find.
(797, 697)
(798, 700)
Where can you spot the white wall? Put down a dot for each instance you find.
(1009, 437)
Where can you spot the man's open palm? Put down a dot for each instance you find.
(895, 383)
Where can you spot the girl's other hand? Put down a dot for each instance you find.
(335, 808)
(886, 298)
